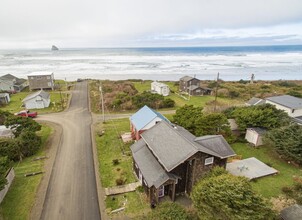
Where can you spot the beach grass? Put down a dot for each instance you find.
(270, 186)
(21, 196)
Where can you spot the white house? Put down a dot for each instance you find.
(40, 99)
(254, 135)
(290, 104)
(160, 88)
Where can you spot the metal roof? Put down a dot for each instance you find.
(287, 101)
(144, 116)
(258, 130)
(43, 94)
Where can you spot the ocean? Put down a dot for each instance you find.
(232, 63)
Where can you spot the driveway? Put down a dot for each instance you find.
(72, 192)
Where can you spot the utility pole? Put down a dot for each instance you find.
(216, 91)
(102, 100)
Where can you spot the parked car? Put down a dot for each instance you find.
(27, 113)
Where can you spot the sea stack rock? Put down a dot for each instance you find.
(54, 47)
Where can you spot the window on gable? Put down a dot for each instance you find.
(209, 160)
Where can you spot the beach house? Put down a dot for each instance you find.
(41, 80)
(160, 88)
(168, 160)
(12, 84)
(37, 100)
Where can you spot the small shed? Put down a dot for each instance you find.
(37, 100)
(254, 135)
(4, 98)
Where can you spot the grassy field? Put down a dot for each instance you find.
(269, 186)
(55, 102)
(21, 196)
(110, 147)
(186, 100)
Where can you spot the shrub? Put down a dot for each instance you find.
(115, 161)
(120, 181)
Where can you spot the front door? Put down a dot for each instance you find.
(161, 191)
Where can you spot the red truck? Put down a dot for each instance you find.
(27, 113)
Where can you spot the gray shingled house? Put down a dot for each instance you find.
(11, 83)
(168, 160)
(192, 86)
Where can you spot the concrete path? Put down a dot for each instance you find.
(122, 189)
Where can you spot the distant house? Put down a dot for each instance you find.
(144, 119)
(192, 86)
(4, 98)
(255, 101)
(37, 100)
(290, 104)
(293, 212)
(187, 81)
(41, 80)
(10, 83)
(160, 88)
(168, 160)
(254, 135)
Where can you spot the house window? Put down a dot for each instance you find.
(161, 191)
(209, 160)
(48, 77)
(49, 84)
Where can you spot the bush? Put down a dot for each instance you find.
(120, 181)
(115, 161)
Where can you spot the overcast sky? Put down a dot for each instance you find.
(136, 23)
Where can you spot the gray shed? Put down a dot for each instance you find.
(254, 135)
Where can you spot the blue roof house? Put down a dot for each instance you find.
(144, 119)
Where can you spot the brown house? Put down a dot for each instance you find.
(187, 81)
(192, 86)
(169, 160)
(41, 80)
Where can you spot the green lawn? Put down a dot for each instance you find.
(110, 147)
(269, 186)
(55, 102)
(21, 196)
(135, 203)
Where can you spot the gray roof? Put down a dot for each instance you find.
(168, 146)
(186, 78)
(255, 101)
(172, 145)
(43, 94)
(287, 101)
(298, 120)
(11, 78)
(293, 212)
(152, 171)
(258, 130)
(217, 144)
(192, 87)
(3, 94)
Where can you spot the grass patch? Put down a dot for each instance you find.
(135, 203)
(269, 186)
(21, 196)
(110, 147)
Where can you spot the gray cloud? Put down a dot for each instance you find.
(34, 23)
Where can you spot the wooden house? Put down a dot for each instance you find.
(41, 80)
(168, 160)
